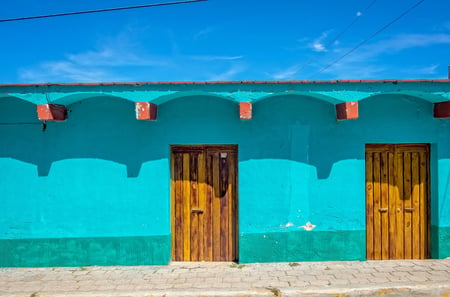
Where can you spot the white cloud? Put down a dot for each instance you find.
(202, 33)
(101, 64)
(422, 70)
(216, 58)
(427, 69)
(111, 56)
(353, 70)
(64, 71)
(318, 45)
(370, 60)
(288, 73)
(406, 41)
(227, 75)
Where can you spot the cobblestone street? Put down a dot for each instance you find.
(372, 278)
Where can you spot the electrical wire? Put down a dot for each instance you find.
(369, 38)
(339, 35)
(97, 11)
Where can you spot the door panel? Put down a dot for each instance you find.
(204, 203)
(397, 201)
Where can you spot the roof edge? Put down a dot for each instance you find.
(394, 81)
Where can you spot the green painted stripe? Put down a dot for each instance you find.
(294, 246)
(440, 242)
(105, 251)
(297, 246)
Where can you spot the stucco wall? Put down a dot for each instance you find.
(95, 189)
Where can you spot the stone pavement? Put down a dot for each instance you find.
(352, 278)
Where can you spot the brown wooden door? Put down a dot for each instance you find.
(204, 203)
(397, 201)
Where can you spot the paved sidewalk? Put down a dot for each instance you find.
(372, 278)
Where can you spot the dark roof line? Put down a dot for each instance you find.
(231, 82)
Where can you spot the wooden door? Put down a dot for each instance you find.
(204, 203)
(397, 201)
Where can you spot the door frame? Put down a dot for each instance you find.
(428, 200)
(203, 148)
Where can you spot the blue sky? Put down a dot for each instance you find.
(223, 40)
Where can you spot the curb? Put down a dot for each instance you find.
(153, 293)
(432, 289)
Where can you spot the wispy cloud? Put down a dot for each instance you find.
(287, 73)
(318, 44)
(64, 71)
(406, 41)
(422, 70)
(353, 70)
(228, 74)
(203, 33)
(442, 27)
(111, 56)
(216, 58)
(370, 61)
(101, 64)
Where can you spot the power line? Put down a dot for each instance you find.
(98, 10)
(352, 23)
(370, 37)
(339, 35)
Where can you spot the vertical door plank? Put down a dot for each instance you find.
(179, 208)
(392, 205)
(216, 207)
(369, 205)
(385, 207)
(186, 208)
(232, 207)
(407, 204)
(209, 209)
(397, 183)
(377, 205)
(193, 181)
(172, 203)
(424, 204)
(415, 205)
(400, 242)
(202, 205)
(224, 200)
(203, 182)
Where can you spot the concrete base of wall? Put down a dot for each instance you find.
(293, 246)
(299, 246)
(105, 251)
(440, 242)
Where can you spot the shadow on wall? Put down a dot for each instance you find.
(296, 128)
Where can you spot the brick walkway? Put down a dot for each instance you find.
(402, 278)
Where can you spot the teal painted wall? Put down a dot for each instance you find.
(95, 190)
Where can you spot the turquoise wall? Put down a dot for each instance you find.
(94, 190)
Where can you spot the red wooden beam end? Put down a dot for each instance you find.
(442, 110)
(146, 111)
(245, 110)
(347, 111)
(51, 112)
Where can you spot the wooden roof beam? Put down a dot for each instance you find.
(51, 112)
(245, 111)
(146, 111)
(347, 111)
